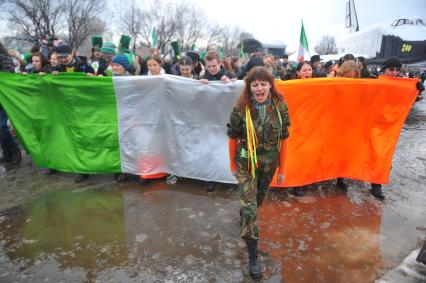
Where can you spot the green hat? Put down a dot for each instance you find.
(176, 49)
(97, 42)
(26, 57)
(130, 57)
(124, 43)
(108, 48)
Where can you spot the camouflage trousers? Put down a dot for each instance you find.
(252, 193)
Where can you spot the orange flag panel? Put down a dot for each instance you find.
(344, 127)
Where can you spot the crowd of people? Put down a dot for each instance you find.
(107, 59)
(257, 140)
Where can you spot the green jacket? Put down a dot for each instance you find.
(269, 133)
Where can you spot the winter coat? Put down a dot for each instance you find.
(103, 66)
(365, 73)
(46, 69)
(6, 64)
(275, 126)
(218, 76)
(80, 66)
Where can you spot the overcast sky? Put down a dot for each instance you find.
(281, 20)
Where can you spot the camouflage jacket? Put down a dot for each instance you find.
(268, 133)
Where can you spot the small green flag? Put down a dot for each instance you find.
(242, 50)
(154, 38)
(176, 49)
(222, 53)
(194, 47)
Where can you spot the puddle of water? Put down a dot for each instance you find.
(182, 233)
(331, 240)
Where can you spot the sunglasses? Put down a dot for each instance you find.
(394, 69)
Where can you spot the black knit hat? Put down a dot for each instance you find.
(63, 50)
(392, 62)
(315, 58)
(194, 56)
(254, 61)
(328, 64)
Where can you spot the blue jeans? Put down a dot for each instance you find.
(7, 141)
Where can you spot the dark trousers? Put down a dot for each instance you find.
(7, 141)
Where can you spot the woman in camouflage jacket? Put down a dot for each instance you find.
(257, 131)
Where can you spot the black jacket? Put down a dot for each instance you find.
(218, 76)
(318, 74)
(80, 66)
(6, 64)
(46, 69)
(103, 65)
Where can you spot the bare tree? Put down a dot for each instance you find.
(192, 26)
(81, 23)
(230, 39)
(165, 17)
(173, 20)
(213, 34)
(35, 18)
(167, 24)
(327, 45)
(98, 28)
(130, 20)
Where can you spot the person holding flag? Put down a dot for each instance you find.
(258, 132)
(10, 148)
(124, 48)
(98, 63)
(108, 52)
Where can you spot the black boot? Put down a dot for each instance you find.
(120, 177)
(6, 157)
(211, 186)
(16, 156)
(341, 184)
(376, 191)
(422, 254)
(143, 181)
(298, 191)
(81, 178)
(259, 199)
(254, 265)
(13, 156)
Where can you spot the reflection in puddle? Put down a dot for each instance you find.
(181, 233)
(330, 240)
(77, 230)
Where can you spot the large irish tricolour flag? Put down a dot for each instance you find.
(145, 125)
